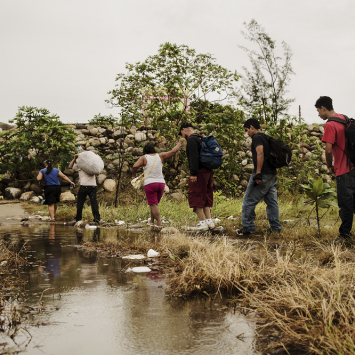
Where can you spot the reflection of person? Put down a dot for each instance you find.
(87, 188)
(200, 181)
(51, 234)
(52, 189)
(154, 182)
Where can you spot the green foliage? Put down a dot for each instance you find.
(39, 136)
(319, 195)
(163, 89)
(265, 87)
(100, 120)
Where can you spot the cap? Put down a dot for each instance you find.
(184, 125)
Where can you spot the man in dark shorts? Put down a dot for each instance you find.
(262, 183)
(200, 181)
(334, 139)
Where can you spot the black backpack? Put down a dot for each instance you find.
(349, 137)
(280, 154)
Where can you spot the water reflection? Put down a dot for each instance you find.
(104, 310)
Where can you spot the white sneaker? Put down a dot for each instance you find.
(201, 227)
(211, 225)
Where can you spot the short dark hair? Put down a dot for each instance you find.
(326, 102)
(252, 122)
(148, 149)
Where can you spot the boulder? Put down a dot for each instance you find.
(249, 167)
(68, 172)
(244, 183)
(85, 131)
(116, 162)
(12, 193)
(235, 178)
(119, 133)
(244, 162)
(36, 189)
(109, 185)
(7, 177)
(102, 140)
(27, 196)
(310, 128)
(101, 178)
(95, 142)
(35, 199)
(182, 183)
(14, 183)
(140, 136)
(177, 196)
(67, 196)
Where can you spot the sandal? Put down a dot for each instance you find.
(51, 220)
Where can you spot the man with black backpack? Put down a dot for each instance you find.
(201, 179)
(262, 182)
(339, 139)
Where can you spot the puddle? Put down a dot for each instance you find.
(104, 310)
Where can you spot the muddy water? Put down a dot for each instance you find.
(102, 310)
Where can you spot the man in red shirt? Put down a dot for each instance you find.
(334, 139)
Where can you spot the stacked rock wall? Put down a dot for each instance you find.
(108, 142)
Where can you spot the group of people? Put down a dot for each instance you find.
(262, 183)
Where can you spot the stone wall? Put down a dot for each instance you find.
(108, 142)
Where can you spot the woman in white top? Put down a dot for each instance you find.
(154, 182)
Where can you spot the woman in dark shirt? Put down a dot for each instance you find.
(52, 189)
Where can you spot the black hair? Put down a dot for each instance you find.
(326, 102)
(148, 149)
(49, 166)
(252, 122)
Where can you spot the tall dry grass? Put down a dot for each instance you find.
(307, 297)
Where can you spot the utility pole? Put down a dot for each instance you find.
(299, 113)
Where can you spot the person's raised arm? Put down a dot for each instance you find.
(73, 161)
(65, 178)
(167, 155)
(140, 162)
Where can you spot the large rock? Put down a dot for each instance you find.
(36, 189)
(94, 131)
(110, 185)
(67, 196)
(35, 199)
(119, 133)
(68, 172)
(140, 136)
(182, 183)
(249, 167)
(27, 196)
(177, 196)
(13, 193)
(101, 178)
(7, 177)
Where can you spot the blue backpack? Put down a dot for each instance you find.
(211, 155)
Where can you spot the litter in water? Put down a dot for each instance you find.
(120, 223)
(90, 227)
(134, 257)
(140, 269)
(152, 253)
(216, 220)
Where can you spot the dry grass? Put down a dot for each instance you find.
(308, 298)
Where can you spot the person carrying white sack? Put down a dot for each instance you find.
(88, 187)
(154, 182)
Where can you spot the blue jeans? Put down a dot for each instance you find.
(346, 201)
(265, 190)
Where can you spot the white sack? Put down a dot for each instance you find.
(90, 162)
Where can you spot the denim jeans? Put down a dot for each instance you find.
(265, 190)
(346, 201)
(91, 192)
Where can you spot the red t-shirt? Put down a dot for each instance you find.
(334, 133)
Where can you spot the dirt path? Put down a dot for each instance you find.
(11, 210)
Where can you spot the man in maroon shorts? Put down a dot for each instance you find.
(200, 181)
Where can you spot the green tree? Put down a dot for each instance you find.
(104, 120)
(265, 86)
(162, 89)
(39, 136)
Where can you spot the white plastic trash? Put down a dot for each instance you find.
(134, 257)
(3, 263)
(90, 227)
(141, 269)
(152, 253)
(120, 223)
(216, 220)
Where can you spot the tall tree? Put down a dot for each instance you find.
(265, 86)
(163, 88)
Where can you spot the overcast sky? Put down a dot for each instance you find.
(64, 55)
